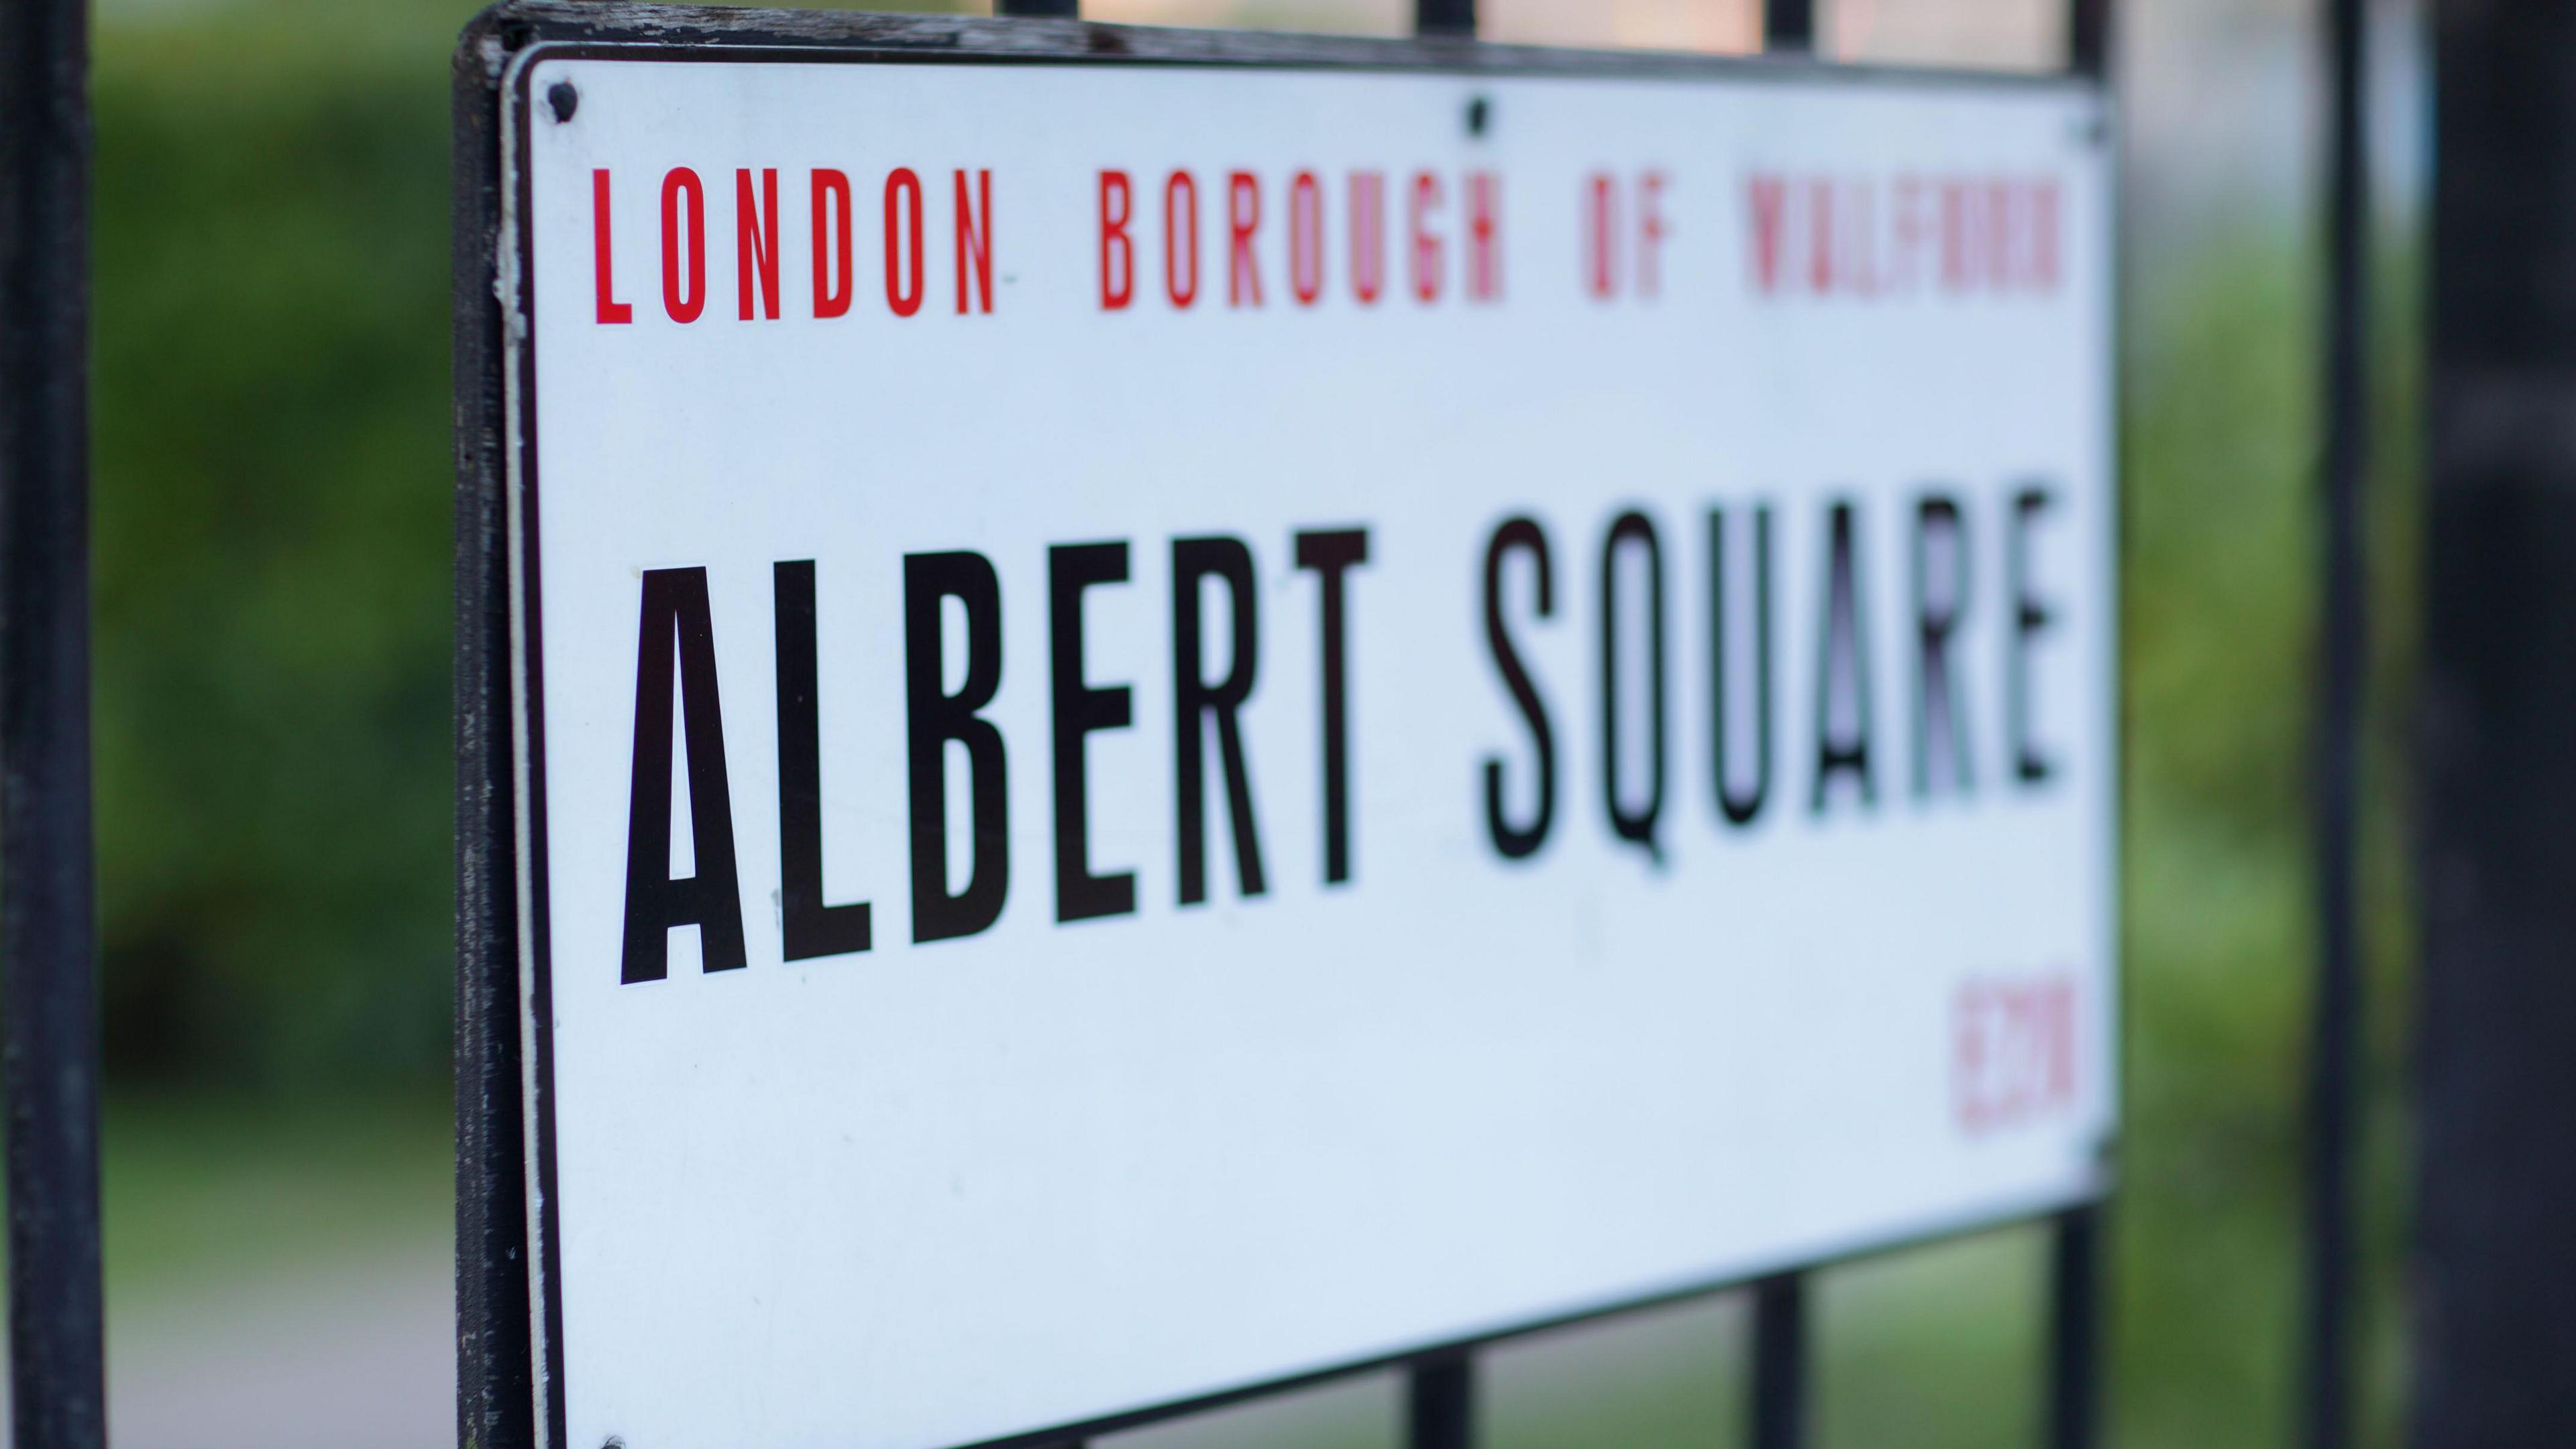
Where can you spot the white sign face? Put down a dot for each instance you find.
(1190, 724)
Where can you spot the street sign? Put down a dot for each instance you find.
(1187, 724)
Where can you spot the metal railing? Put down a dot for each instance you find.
(49, 1049)
(49, 1030)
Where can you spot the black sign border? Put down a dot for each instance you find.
(499, 1094)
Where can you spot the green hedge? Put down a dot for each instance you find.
(271, 533)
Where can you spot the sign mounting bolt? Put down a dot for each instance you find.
(563, 99)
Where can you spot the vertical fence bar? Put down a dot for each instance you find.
(1777, 1404)
(2088, 37)
(2075, 1309)
(1452, 18)
(1440, 1393)
(495, 1371)
(1779, 1399)
(49, 1026)
(1778, 1407)
(1440, 1404)
(2075, 1331)
(2326, 1373)
(2492, 1325)
(1788, 24)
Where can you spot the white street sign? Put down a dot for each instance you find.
(1188, 724)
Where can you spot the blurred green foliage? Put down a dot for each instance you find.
(271, 522)
(273, 515)
(2220, 632)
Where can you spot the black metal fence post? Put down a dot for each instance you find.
(1789, 25)
(2088, 38)
(2326, 1377)
(1440, 1394)
(2075, 1331)
(1453, 18)
(1779, 1398)
(2495, 1181)
(1440, 1403)
(1777, 1417)
(2076, 1249)
(49, 1027)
